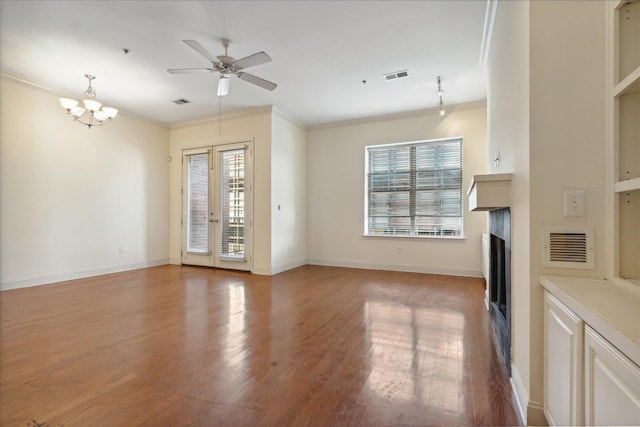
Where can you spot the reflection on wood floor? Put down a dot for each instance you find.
(182, 346)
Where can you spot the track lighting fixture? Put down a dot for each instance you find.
(440, 95)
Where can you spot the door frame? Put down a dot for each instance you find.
(214, 150)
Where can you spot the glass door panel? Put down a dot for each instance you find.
(233, 206)
(197, 215)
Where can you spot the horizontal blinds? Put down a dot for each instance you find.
(232, 236)
(198, 203)
(415, 189)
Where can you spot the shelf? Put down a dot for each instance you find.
(490, 191)
(621, 3)
(630, 84)
(628, 185)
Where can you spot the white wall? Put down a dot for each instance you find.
(236, 127)
(335, 193)
(288, 193)
(546, 115)
(508, 132)
(567, 139)
(69, 196)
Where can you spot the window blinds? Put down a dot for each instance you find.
(198, 203)
(415, 189)
(232, 165)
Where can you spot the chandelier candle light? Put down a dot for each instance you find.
(97, 113)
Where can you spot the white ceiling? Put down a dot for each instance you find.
(321, 51)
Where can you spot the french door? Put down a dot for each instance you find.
(217, 206)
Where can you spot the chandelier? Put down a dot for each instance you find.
(92, 113)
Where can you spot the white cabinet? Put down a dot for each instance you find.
(563, 341)
(612, 384)
(587, 380)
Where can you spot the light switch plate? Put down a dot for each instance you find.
(574, 203)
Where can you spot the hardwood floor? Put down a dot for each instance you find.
(189, 346)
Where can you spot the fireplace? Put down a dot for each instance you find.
(500, 280)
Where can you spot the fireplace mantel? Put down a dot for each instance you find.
(490, 191)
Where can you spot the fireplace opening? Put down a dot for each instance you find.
(499, 294)
(500, 280)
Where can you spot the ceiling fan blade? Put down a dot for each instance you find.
(223, 85)
(266, 84)
(189, 70)
(201, 50)
(252, 60)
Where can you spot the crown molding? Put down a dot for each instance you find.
(217, 118)
(487, 31)
(64, 94)
(435, 111)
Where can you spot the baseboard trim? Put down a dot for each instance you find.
(46, 280)
(290, 266)
(535, 414)
(520, 393)
(403, 268)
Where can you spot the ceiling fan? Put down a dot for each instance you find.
(227, 66)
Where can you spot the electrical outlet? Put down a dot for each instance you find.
(121, 249)
(399, 251)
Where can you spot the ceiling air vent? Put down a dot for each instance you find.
(396, 75)
(181, 101)
(568, 248)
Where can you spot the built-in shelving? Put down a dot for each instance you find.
(624, 137)
(628, 185)
(630, 85)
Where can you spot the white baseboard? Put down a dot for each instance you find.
(261, 271)
(535, 414)
(78, 275)
(520, 392)
(290, 266)
(404, 268)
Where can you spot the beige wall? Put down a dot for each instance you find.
(508, 132)
(546, 116)
(70, 196)
(335, 193)
(251, 125)
(567, 139)
(288, 194)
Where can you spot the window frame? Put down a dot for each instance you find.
(413, 190)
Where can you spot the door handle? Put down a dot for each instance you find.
(214, 220)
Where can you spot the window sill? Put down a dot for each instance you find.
(391, 236)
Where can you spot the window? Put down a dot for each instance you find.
(414, 189)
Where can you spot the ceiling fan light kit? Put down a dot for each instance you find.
(227, 66)
(92, 113)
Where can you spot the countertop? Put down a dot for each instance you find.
(611, 308)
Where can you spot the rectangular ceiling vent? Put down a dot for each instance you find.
(181, 101)
(568, 248)
(396, 75)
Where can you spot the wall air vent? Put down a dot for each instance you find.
(181, 101)
(396, 75)
(568, 248)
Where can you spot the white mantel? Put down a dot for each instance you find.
(490, 191)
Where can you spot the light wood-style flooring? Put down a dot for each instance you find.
(190, 346)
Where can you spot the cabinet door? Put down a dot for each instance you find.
(563, 340)
(612, 384)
